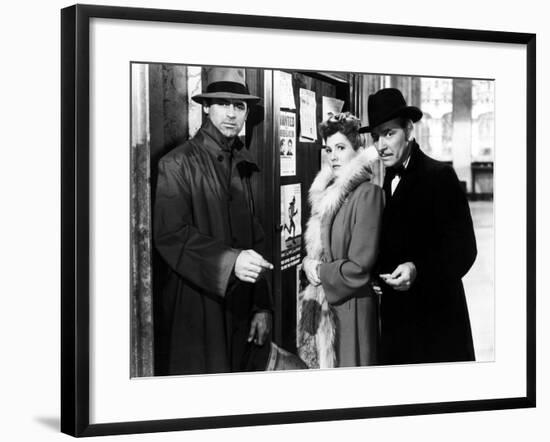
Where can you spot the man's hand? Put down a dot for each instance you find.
(310, 267)
(402, 277)
(250, 265)
(260, 328)
(376, 288)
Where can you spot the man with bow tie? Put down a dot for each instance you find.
(427, 243)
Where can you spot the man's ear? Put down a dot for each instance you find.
(206, 109)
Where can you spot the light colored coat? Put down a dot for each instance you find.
(343, 233)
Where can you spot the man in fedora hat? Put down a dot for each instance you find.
(427, 243)
(216, 301)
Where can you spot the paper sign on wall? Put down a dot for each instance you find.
(291, 222)
(332, 106)
(287, 143)
(308, 119)
(283, 82)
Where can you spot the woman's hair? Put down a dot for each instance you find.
(345, 123)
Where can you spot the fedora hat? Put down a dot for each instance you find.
(387, 104)
(225, 83)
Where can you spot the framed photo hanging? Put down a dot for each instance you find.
(182, 159)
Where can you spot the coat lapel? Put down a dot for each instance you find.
(326, 222)
(408, 180)
(387, 188)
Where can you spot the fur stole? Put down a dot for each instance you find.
(317, 322)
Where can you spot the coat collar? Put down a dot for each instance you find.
(415, 159)
(414, 168)
(327, 193)
(211, 132)
(214, 141)
(412, 160)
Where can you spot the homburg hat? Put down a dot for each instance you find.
(226, 83)
(387, 104)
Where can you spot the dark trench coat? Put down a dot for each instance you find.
(427, 221)
(203, 218)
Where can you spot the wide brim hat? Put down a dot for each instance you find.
(226, 83)
(387, 104)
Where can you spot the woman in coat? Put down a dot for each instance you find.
(339, 310)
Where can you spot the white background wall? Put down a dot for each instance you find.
(29, 224)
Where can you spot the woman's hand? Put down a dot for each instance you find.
(311, 269)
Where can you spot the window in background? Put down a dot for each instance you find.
(435, 131)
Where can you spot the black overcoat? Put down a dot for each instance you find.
(427, 221)
(203, 218)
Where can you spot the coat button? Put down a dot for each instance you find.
(220, 158)
(229, 197)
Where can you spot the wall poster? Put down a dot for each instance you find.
(291, 222)
(287, 143)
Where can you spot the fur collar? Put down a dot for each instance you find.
(317, 324)
(327, 195)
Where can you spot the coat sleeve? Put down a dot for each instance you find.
(263, 300)
(202, 260)
(262, 296)
(343, 277)
(452, 249)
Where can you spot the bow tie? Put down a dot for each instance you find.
(392, 172)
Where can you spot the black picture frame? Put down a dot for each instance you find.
(75, 212)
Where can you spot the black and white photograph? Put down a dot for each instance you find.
(387, 209)
(275, 220)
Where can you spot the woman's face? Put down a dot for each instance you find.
(339, 152)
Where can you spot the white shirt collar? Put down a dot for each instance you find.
(406, 163)
(397, 178)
